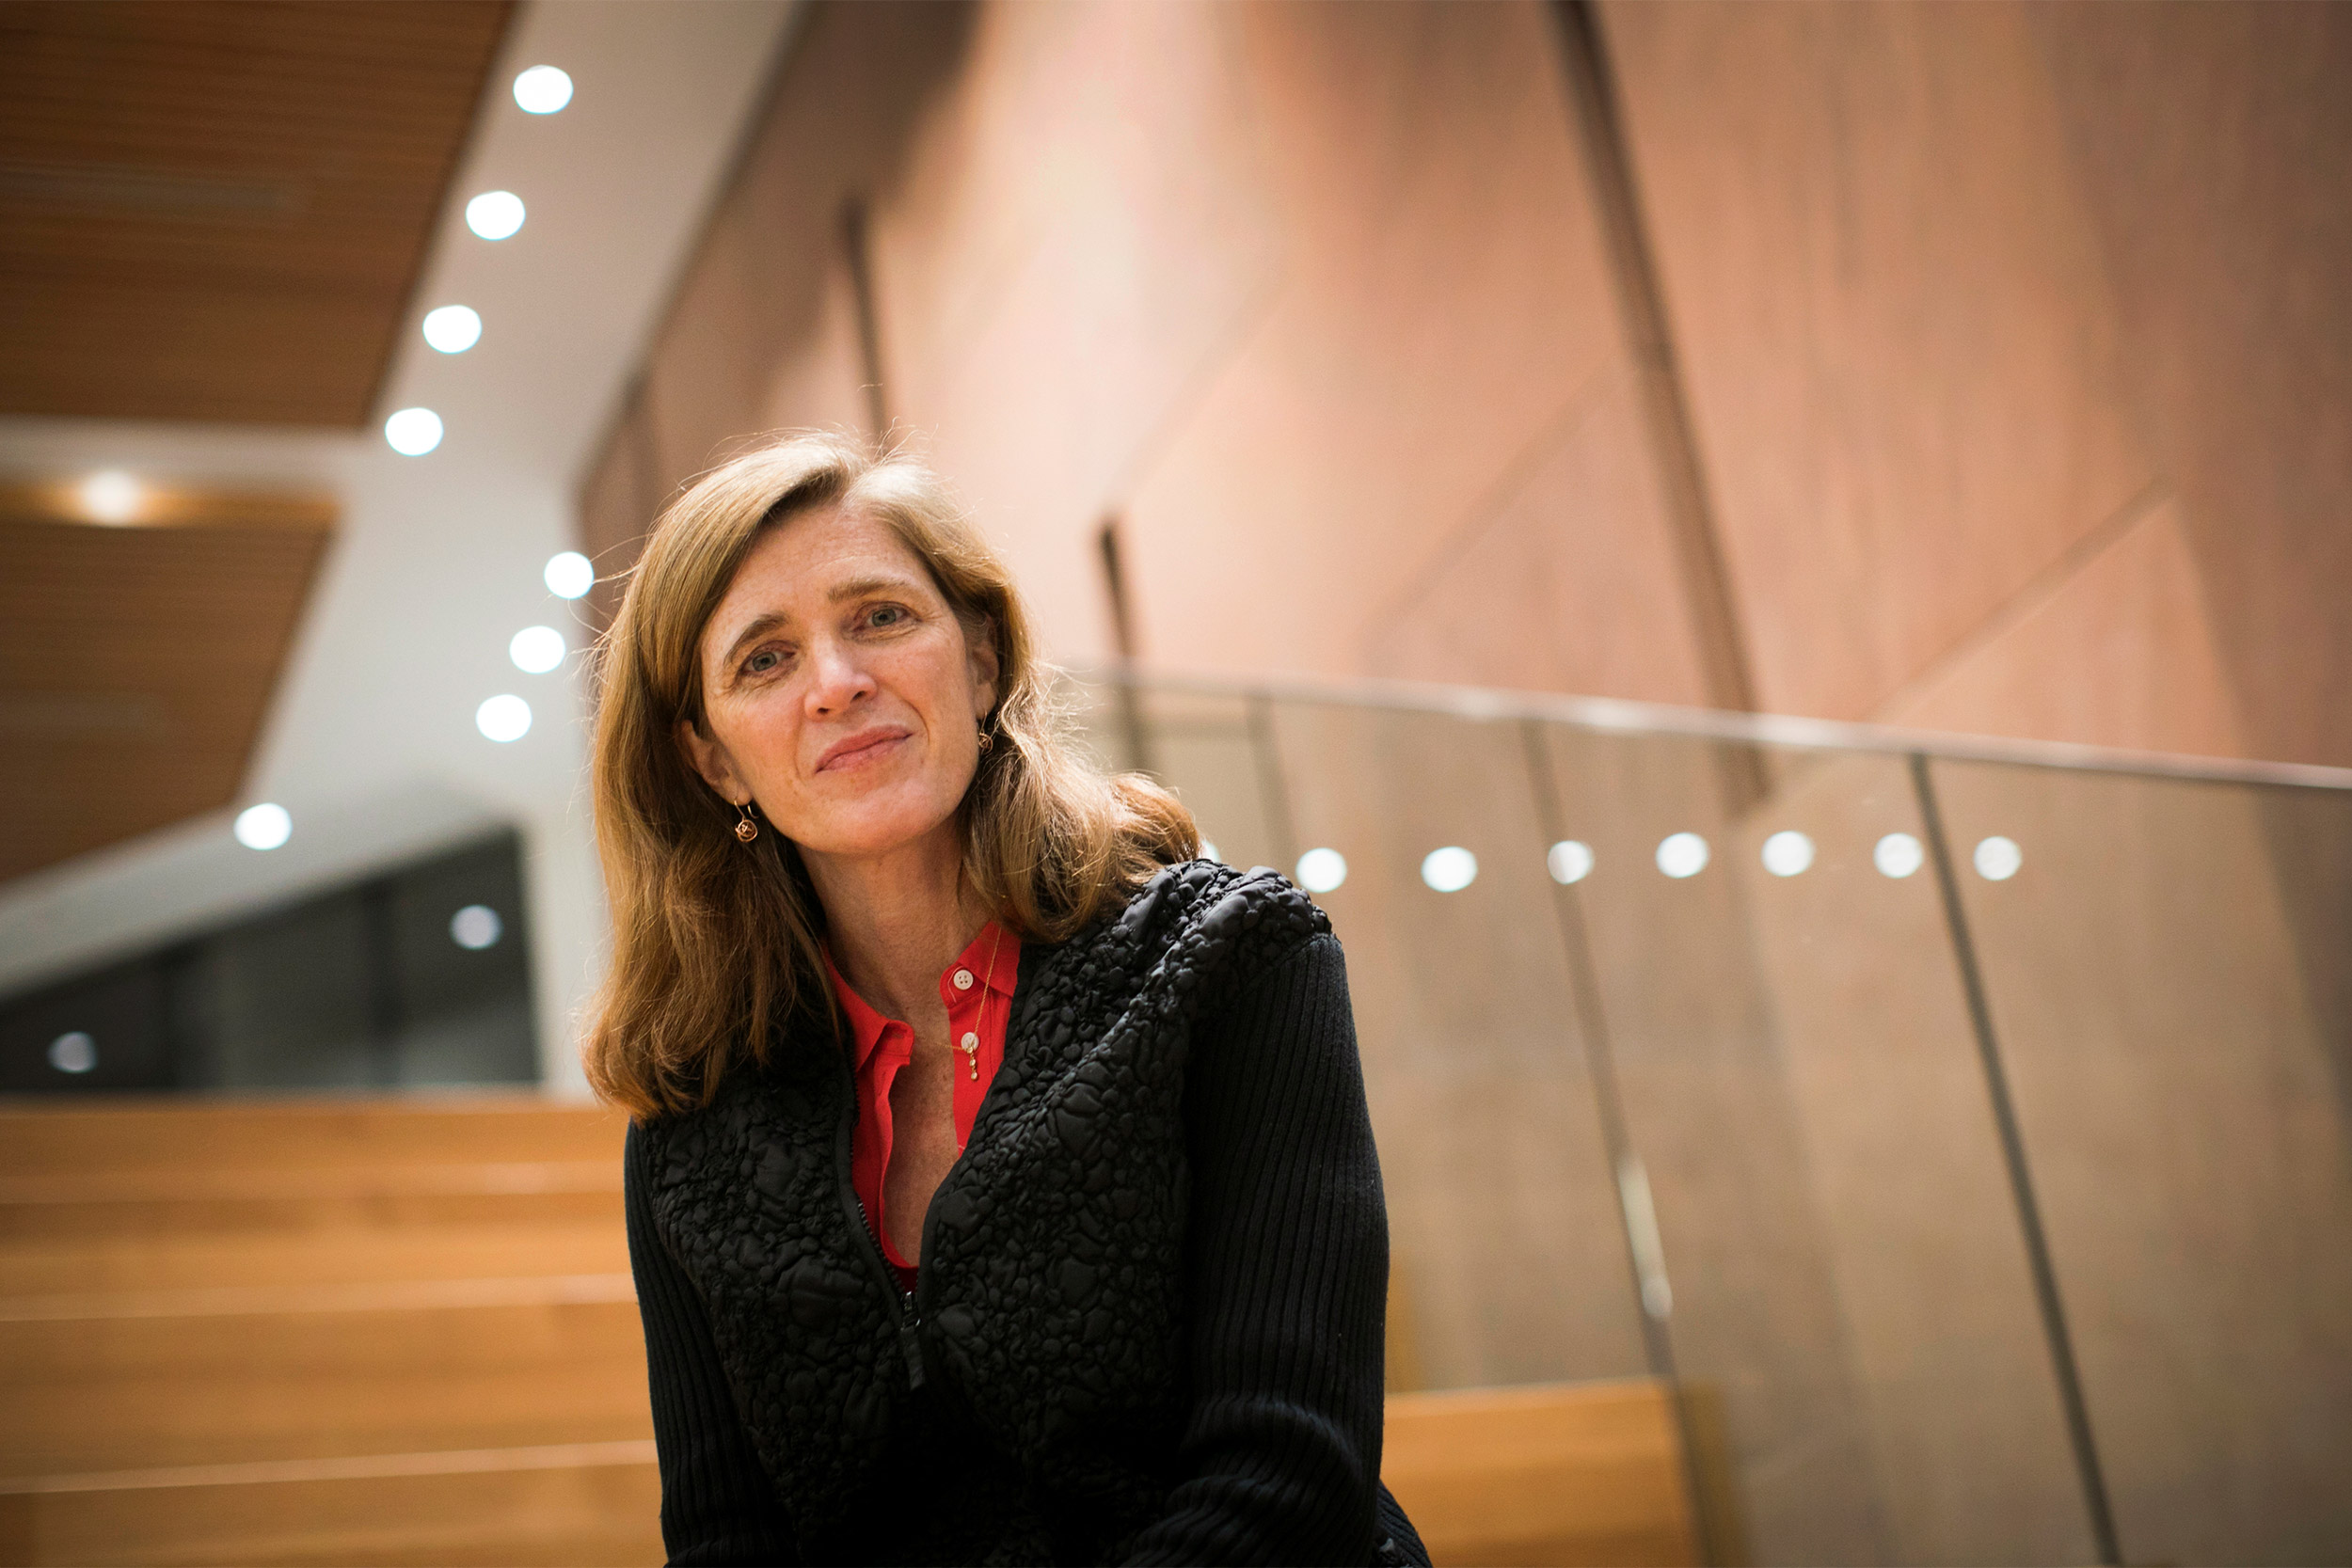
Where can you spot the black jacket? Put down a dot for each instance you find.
(1149, 1316)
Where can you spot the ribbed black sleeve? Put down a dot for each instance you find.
(1289, 1257)
(717, 1505)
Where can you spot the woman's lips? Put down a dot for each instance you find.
(858, 749)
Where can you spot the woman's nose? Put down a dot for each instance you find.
(838, 679)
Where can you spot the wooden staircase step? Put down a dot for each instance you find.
(427, 1198)
(64, 1427)
(402, 1331)
(163, 1133)
(240, 1372)
(59, 1266)
(523, 1177)
(576, 1503)
(383, 1329)
(1555, 1474)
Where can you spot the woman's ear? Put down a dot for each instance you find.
(707, 757)
(987, 669)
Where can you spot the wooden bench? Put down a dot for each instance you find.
(1549, 1474)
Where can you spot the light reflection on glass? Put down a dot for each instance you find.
(1682, 855)
(1897, 855)
(1787, 852)
(1322, 870)
(1569, 860)
(1998, 859)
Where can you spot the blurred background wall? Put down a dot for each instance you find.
(1971, 367)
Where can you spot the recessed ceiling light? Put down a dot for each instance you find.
(503, 718)
(495, 215)
(570, 574)
(452, 328)
(74, 1052)
(263, 827)
(1322, 870)
(413, 432)
(111, 495)
(542, 90)
(475, 927)
(536, 649)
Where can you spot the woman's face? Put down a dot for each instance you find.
(840, 692)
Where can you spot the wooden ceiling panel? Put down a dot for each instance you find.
(136, 663)
(216, 208)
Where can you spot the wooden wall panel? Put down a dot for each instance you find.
(1082, 236)
(820, 379)
(2213, 151)
(702, 380)
(618, 501)
(763, 291)
(1314, 300)
(1893, 324)
(1443, 306)
(1309, 298)
(2117, 650)
(1567, 583)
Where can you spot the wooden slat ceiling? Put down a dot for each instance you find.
(217, 210)
(136, 663)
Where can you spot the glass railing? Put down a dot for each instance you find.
(1961, 1128)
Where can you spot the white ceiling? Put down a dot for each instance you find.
(371, 742)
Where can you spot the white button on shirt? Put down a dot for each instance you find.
(964, 979)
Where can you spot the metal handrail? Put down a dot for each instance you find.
(1624, 716)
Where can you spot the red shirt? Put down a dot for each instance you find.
(978, 989)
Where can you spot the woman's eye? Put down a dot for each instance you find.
(889, 615)
(763, 661)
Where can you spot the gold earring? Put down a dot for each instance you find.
(988, 737)
(746, 829)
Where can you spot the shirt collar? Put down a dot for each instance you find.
(867, 1026)
(993, 942)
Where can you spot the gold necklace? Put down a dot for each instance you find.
(971, 1042)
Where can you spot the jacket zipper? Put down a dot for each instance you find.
(910, 1323)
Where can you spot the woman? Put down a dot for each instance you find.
(999, 1182)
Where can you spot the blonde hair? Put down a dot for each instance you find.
(716, 944)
